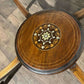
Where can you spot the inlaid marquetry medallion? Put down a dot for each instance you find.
(46, 36)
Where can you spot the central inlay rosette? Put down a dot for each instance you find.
(46, 36)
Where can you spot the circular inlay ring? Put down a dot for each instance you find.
(46, 36)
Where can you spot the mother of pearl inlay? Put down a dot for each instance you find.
(46, 36)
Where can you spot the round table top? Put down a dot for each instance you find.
(47, 42)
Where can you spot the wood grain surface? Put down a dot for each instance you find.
(59, 55)
(10, 20)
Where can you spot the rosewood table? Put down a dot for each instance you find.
(47, 43)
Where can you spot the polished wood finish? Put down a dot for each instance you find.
(59, 55)
(15, 17)
(9, 68)
(21, 7)
(78, 73)
(79, 14)
(46, 60)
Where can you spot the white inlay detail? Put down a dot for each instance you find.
(57, 37)
(42, 47)
(42, 30)
(35, 34)
(49, 25)
(48, 29)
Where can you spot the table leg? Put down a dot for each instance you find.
(11, 74)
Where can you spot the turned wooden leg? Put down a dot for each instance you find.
(22, 8)
(9, 71)
(79, 14)
(78, 73)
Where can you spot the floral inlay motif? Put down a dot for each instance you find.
(46, 36)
